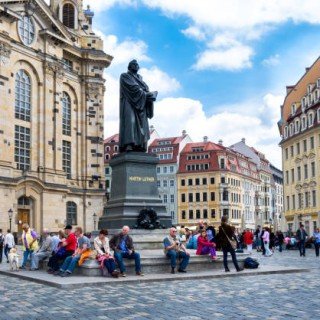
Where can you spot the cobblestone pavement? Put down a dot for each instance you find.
(280, 296)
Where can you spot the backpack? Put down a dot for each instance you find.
(250, 263)
(1, 239)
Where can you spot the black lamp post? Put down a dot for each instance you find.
(94, 221)
(10, 214)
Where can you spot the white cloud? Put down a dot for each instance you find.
(172, 115)
(158, 80)
(247, 21)
(271, 61)
(233, 58)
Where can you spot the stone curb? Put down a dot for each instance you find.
(156, 278)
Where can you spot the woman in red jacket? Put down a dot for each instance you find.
(248, 240)
(206, 247)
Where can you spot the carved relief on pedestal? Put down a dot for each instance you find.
(5, 52)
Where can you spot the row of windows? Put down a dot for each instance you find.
(196, 182)
(301, 124)
(197, 167)
(108, 148)
(197, 197)
(23, 102)
(197, 214)
(162, 149)
(198, 157)
(165, 198)
(296, 150)
(165, 183)
(165, 169)
(305, 200)
(298, 173)
(165, 156)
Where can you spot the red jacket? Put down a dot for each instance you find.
(248, 237)
(203, 242)
(71, 242)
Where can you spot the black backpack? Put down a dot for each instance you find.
(1, 239)
(250, 263)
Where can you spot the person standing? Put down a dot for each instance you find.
(173, 249)
(301, 237)
(280, 240)
(30, 243)
(248, 240)
(257, 235)
(8, 243)
(266, 242)
(316, 238)
(226, 234)
(122, 244)
(1, 244)
(44, 251)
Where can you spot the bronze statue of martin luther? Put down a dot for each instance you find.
(136, 107)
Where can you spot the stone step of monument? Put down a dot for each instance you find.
(155, 262)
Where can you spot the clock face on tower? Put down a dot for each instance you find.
(26, 30)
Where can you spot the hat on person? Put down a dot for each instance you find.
(68, 227)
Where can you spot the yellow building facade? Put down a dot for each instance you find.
(51, 124)
(300, 132)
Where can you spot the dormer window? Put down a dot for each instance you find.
(68, 15)
(297, 126)
(303, 103)
(316, 95)
(318, 115)
(318, 83)
(285, 132)
(293, 109)
(310, 119)
(310, 88)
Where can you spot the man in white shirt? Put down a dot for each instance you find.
(8, 243)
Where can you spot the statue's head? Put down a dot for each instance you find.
(133, 66)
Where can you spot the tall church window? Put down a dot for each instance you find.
(66, 158)
(26, 30)
(68, 15)
(22, 146)
(71, 213)
(22, 96)
(66, 114)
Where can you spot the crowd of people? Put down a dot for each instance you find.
(69, 249)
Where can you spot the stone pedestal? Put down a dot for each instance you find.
(134, 187)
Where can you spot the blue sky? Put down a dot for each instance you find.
(220, 67)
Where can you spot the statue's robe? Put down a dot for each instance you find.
(135, 109)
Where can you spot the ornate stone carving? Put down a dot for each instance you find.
(5, 52)
(54, 68)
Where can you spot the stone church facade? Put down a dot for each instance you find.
(51, 115)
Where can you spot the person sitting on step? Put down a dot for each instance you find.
(205, 246)
(122, 244)
(173, 249)
(104, 256)
(71, 262)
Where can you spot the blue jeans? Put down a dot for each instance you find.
(26, 254)
(110, 265)
(173, 255)
(70, 263)
(119, 258)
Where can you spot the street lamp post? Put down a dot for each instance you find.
(94, 221)
(10, 214)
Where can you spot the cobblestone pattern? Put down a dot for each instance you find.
(282, 296)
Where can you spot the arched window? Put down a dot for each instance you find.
(318, 114)
(66, 114)
(22, 96)
(68, 15)
(71, 213)
(285, 132)
(291, 129)
(26, 30)
(107, 156)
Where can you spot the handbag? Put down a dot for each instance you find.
(233, 243)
